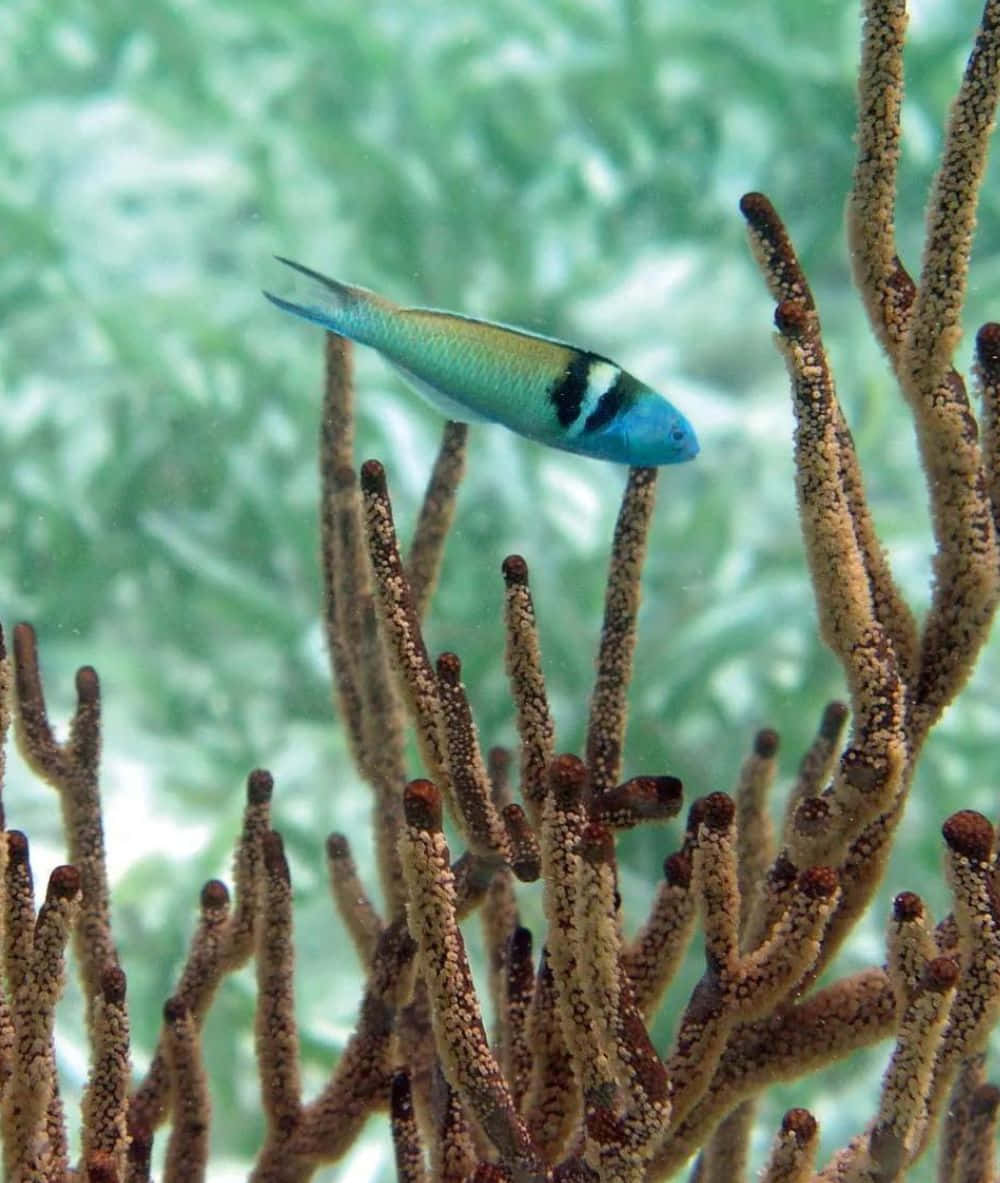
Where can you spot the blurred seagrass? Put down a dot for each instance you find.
(587, 1035)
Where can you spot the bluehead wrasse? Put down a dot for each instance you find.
(475, 370)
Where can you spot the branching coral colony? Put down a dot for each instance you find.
(570, 1087)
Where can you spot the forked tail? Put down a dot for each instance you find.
(349, 311)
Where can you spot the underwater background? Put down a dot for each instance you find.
(571, 166)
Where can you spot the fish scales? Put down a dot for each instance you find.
(532, 385)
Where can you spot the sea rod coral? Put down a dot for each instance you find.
(568, 1086)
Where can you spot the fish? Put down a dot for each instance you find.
(481, 371)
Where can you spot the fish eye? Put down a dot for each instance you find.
(677, 435)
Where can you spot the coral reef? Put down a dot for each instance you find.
(568, 1086)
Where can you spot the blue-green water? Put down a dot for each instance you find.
(572, 167)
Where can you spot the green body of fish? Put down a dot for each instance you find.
(541, 388)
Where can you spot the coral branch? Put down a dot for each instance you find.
(794, 1149)
(886, 289)
(935, 329)
(71, 768)
(105, 1100)
(187, 1146)
(222, 943)
(402, 627)
(405, 1134)
(987, 373)
(356, 910)
(482, 825)
(653, 957)
(35, 971)
(461, 1039)
(277, 1037)
(551, 1104)
(524, 668)
(755, 837)
(361, 1080)
(436, 515)
(606, 725)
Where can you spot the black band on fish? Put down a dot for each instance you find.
(609, 404)
(567, 391)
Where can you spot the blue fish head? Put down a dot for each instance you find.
(649, 433)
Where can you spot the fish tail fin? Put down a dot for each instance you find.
(340, 308)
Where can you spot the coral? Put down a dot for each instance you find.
(568, 1086)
